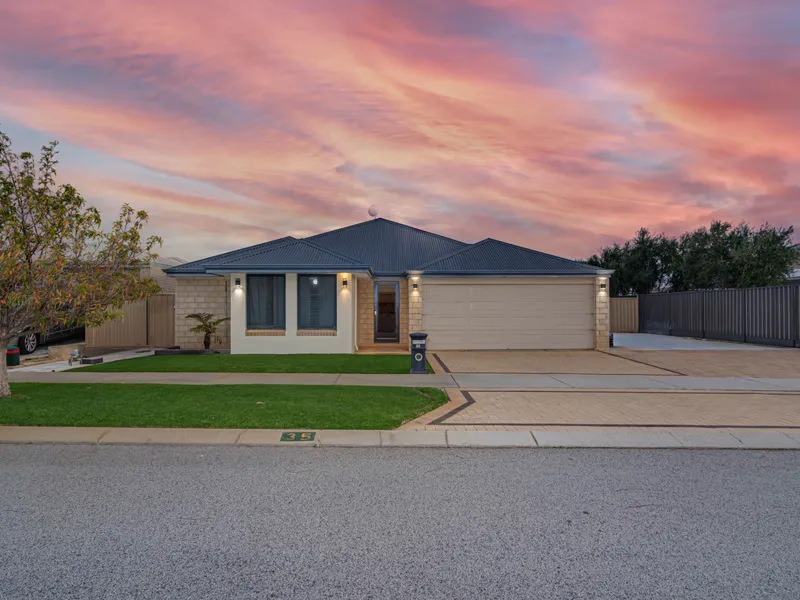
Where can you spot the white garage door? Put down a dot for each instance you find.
(550, 314)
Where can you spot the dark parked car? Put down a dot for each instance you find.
(30, 341)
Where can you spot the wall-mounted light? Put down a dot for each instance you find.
(344, 283)
(603, 286)
(237, 283)
(415, 286)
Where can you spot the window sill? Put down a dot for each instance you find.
(316, 332)
(265, 333)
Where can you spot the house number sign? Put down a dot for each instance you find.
(298, 436)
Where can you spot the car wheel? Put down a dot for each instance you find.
(28, 343)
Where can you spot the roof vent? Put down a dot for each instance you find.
(373, 211)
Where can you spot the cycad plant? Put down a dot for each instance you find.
(206, 325)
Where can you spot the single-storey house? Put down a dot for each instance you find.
(370, 284)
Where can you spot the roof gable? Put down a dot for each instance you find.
(495, 257)
(390, 248)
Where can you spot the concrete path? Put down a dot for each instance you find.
(596, 438)
(650, 341)
(463, 380)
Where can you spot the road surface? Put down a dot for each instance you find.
(233, 523)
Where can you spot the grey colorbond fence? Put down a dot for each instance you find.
(766, 315)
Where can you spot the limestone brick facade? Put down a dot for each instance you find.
(602, 314)
(201, 294)
(414, 304)
(366, 312)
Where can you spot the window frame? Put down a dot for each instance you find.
(248, 326)
(335, 302)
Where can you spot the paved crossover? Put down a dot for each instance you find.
(93, 522)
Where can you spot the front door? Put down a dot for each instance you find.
(387, 311)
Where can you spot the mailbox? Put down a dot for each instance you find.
(418, 345)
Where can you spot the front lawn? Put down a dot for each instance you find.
(260, 363)
(215, 406)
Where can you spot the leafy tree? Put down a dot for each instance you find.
(718, 256)
(57, 263)
(206, 325)
(642, 265)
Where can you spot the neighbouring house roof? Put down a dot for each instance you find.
(390, 248)
(197, 267)
(386, 248)
(493, 257)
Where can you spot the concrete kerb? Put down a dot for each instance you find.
(744, 440)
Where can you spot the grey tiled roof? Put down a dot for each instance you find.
(501, 258)
(292, 253)
(389, 248)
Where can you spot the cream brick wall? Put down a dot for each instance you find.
(414, 305)
(366, 312)
(201, 294)
(602, 314)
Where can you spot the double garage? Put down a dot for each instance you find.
(509, 314)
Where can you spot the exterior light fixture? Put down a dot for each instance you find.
(238, 283)
(415, 286)
(603, 286)
(344, 283)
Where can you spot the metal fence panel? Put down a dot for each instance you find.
(686, 314)
(148, 322)
(654, 314)
(768, 315)
(723, 313)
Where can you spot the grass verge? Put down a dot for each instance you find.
(215, 406)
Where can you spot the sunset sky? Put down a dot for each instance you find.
(560, 125)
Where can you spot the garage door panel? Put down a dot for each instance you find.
(509, 316)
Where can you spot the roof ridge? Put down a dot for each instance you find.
(284, 239)
(367, 222)
(452, 254)
(577, 262)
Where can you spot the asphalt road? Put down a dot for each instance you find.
(231, 523)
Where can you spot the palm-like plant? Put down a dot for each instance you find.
(206, 325)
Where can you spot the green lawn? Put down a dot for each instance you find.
(210, 406)
(260, 363)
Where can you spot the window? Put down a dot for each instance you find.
(316, 301)
(266, 302)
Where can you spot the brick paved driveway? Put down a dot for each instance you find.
(540, 361)
(512, 410)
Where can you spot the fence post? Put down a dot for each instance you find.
(796, 316)
(669, 301)
(703, 314)
(743, 293)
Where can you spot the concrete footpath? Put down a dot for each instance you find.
(675, 438)
(465, 380)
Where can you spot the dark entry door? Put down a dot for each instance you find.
(387, 313)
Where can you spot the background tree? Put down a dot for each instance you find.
(718, 256)
(57, 263)
(206, 325)
(642, 265)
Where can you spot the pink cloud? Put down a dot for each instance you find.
(559, 125)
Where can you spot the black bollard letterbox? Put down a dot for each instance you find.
(418, 343)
